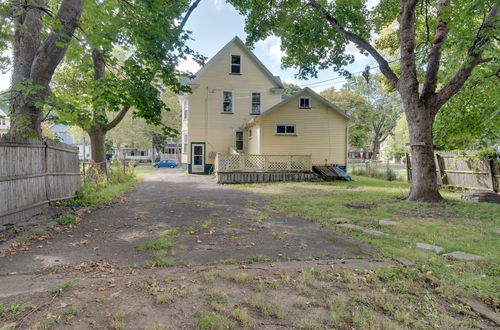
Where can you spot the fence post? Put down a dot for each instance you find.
(491, 174)
(408, 168)
(46, 170)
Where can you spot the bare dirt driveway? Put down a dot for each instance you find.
(180, 252)
(213, 223)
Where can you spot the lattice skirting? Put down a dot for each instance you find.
(255, 177)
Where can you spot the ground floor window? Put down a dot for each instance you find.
(239, 140)
(286, 129)
(184, 143)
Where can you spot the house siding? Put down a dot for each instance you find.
(321, 132)
(206, 123)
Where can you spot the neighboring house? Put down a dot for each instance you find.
(4, 123)
(61, 132)
(235, 108)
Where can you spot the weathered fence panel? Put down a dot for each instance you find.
(454, 170)
(34, 173)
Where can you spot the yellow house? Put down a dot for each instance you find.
(235, 115)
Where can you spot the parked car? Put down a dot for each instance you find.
(165, 163)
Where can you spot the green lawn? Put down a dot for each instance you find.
(453, 224)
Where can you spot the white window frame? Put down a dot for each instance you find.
(251, 103)
(242, 140)
(250, 134)
(285, 134)
(222, 100)
(185, 109)
(231, 64)
(304, 97)
(184, 142)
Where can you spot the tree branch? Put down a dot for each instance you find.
(383, 64)
(188, 13)
(117, 119)
(473, 59)
(406, 37)
(441, 33)
(51, 52)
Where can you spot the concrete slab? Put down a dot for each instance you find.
(348, 225)
(388, 223)
(405, 262)
(459, 255)
(430, 247)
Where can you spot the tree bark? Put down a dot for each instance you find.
(97, 135)
(424, 186)
(34, 62)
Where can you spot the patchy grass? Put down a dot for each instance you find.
(266, 307)
(66, 220)
(255, 258)
(160, 260)
(116, 321)
(160, 243)
(453, 224)
(169, 232)
(242, 277)
(66, 286)
(240, 314)
(164, 298)
(212, 321)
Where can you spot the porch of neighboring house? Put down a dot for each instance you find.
(247, 168)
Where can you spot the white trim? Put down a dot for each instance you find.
(222, 100)
(231, 63)
(184, 143)
(305, 97)
(251, 102)
(285, 124)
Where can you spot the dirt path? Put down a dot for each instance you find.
(213, 223)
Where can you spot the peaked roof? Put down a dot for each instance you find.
(311, 93)
(3, 113)
(236, 40)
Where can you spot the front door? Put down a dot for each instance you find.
(197, 157)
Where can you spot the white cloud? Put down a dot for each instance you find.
(290, 80)
(272, 47)
(188, 64)
(219, 4)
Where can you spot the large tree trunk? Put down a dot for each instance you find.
(34, 62)
(375, 147)
(97, 142)
(424, 186)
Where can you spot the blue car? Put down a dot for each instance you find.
(165, 163)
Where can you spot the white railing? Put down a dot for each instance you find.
(263, 163)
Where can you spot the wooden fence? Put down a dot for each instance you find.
(34, 173)
(455, 170)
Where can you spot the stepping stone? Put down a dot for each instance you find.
(373, 232)
(388, 223)
(405, 262)
(429, 247)
(459, 255)
(348, 225)
(338, 219)
(406, 240)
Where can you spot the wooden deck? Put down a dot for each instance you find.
(256, 177)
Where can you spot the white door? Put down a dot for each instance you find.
(197, 158)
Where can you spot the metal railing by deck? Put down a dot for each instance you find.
(262, 163)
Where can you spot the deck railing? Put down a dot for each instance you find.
(263, 163)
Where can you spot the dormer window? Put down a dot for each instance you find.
(304, 102)
(235, 64)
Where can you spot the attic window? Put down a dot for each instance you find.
(304, 102)
(235, 64)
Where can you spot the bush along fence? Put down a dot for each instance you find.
(34, 173)
(473, 170)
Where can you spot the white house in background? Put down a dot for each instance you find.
(4, 123)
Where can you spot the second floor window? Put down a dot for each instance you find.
(3, 122)
(227, 102)
(256, 103)
(235, 64)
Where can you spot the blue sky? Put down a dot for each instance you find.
(214, 23)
